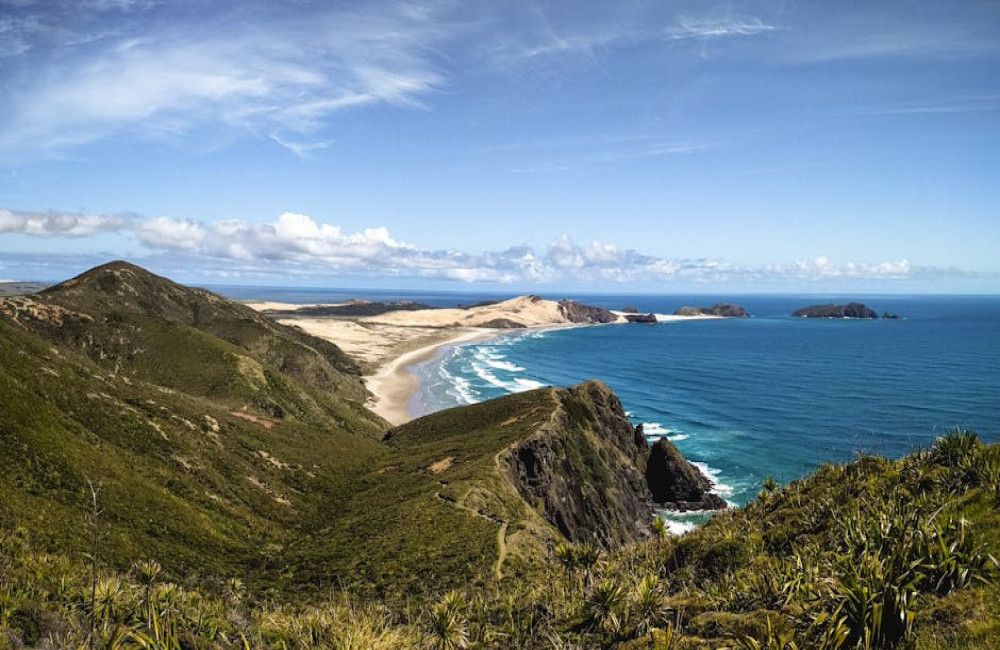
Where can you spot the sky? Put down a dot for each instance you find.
(630, 146)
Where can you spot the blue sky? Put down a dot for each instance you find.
(614, 146)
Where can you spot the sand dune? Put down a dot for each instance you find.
(385, 345)
(527, 311)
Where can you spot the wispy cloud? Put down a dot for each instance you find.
(279, 73)
(702, 28)
(957, 105)
(620, 24)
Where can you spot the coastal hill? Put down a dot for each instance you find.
(523, 311)
(217, 436)
(173, 474)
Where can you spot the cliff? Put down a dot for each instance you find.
(850, 310)
(575, 312)
(581, 472)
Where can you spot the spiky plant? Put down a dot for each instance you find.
(448, 626)
(605, 607)
(660, 528)
(647, 607)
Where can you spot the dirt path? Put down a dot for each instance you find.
(501, 550)
(501, 533)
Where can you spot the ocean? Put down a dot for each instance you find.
(744, 399)
(769, 395)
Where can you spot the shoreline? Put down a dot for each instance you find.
(392, 384)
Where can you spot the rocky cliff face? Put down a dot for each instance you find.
(582, 470)
(850, 310)
(675, 483)
(577, 313)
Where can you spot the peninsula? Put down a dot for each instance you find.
(384, 339)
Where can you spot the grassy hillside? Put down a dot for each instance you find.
(224, 444)
(245, 498)
(185, 478)
(873, 554)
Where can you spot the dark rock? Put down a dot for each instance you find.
(581, 471)
(850, 310)
(888, 315)
(677, 484)
(630, 309)
(577, 313)
(641, 318)
(723, 310)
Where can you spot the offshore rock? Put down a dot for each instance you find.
(723, 310)
(850, 310)
(675, 483)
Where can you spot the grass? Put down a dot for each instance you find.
(247, 499)
(911, 571)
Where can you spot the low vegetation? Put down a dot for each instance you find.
(873, 554)
(177, 472)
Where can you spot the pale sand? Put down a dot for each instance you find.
(393, 385)
(525, 310)
(386, 345)
(270, 305)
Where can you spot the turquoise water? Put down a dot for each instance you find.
(766, 396)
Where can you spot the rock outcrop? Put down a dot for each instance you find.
(581, 471)
(850, 310)
(577, 313)
(722, 310)
(677, 484)
(641, 318)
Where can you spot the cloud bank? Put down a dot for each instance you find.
(296, 244)
(60, 224)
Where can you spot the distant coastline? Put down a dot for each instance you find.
(388, 344)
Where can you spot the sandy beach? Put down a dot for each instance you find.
(384, 346)
(392, 385)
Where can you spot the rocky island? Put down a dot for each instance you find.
(721, 310)
(850, 310)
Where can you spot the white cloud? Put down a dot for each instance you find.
(268, 70)
(59, 224)
(175, 234)
(294, 243)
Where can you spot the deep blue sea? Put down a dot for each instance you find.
(770, 395)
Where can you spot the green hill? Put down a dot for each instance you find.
(226, 444)
(246, 498)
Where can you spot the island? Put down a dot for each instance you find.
(850, 310)
(721, 310)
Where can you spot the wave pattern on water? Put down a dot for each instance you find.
(767, 396)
